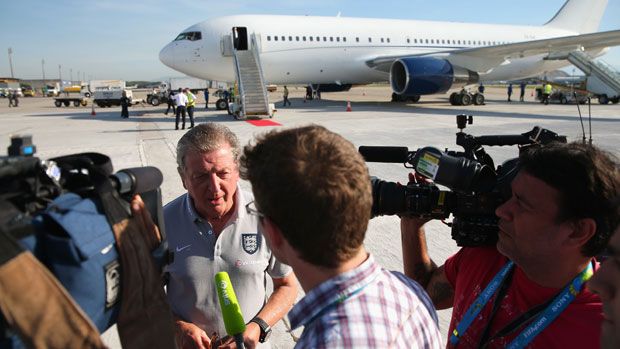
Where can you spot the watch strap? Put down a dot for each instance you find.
(265, 329)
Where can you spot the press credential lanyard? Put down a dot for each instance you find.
(558, 305)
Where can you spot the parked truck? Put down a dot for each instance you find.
(107, 93)
(160, 93)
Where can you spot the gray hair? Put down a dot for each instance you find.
(205, 138)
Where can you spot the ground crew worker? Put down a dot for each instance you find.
(285, 97)
(124, 105)
(206, 98)
(191, 104)
(547, 89)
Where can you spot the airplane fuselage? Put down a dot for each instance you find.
(304, 49)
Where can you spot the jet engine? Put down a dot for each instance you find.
(428, 75)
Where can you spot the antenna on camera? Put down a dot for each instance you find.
(583, 131)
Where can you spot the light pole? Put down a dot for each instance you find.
(43, 69)
(71, 75)
(59, 74)
(11, 61)
(78, 76)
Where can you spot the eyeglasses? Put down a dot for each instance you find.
(251, 209)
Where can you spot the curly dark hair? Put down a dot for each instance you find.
(588, 180)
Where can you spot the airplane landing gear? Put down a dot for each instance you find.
(465, 98)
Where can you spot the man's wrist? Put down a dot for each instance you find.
(265, 329)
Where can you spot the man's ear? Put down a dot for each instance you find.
(583, 230)
(180, 171)
(274, 234)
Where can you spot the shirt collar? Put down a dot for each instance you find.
(333, 291)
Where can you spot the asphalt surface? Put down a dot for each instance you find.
(148, 138)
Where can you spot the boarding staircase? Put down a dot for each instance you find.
(603, 80)
(253, 96)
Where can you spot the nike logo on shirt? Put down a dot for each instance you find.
(179, 249)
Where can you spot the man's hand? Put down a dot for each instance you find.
(139, 211)
(190, 336)
(250, 338)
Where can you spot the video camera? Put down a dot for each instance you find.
(477, 187)
(57, 210)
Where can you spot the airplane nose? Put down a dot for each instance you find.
(166, 55)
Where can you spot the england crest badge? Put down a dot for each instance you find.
(250, 242)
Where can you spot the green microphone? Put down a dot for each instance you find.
(231, 312)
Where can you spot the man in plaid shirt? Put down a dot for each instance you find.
(313, 197)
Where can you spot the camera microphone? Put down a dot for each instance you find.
(231, 311)
(399, 155)
(138, 180)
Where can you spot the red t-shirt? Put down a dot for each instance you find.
(470, 271)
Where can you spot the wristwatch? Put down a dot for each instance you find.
(265, 329)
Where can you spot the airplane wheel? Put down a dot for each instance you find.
(414, 98)
(602, 99)
(478, 99)
(454, 98)
(221, 104)
(465, 99)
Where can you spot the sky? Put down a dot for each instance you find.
(121, 39)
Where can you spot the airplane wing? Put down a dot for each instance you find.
(484, 59)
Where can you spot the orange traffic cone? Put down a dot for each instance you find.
(92, 109)
(348, 106)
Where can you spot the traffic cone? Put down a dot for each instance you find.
(92, 109)
(348, 106)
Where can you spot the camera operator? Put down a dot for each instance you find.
(313, 200)
(559, 217)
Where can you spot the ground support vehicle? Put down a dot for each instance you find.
(67, 101)
(160, 94)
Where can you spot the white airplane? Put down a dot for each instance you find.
(416, 57)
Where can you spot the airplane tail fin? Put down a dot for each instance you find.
(582, 16)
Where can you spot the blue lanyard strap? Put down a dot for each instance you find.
(561, 301)
(479, 303)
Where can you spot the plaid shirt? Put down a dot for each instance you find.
(367, 307)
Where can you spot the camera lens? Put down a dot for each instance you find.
(388, 198)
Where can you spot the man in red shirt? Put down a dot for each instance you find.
(528, 290)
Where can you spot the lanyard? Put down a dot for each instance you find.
(552, 311)
(558, 305)
(479, 303)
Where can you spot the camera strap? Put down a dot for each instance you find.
(145, 319)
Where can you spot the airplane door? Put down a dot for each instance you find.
(240, 38)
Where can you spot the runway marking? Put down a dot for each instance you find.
(263, 122)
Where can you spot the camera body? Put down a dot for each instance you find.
(56, 210)
(476, 186)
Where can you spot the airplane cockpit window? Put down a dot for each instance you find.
(191, 36)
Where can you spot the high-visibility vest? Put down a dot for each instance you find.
(548, 88)
(191, 99)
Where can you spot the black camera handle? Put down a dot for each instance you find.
(473, 144)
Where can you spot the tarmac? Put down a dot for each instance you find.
(148, 138)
